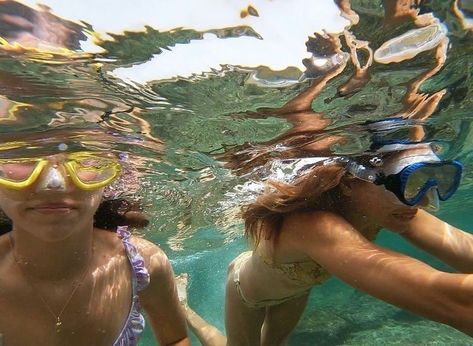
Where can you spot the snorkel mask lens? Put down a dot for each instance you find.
(419, 178)
(87, 170)
(20, 173)
(90, 172)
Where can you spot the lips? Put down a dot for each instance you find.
(56, 207)
(405, 214)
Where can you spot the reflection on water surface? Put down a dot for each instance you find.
(194, 135)
(198, 130)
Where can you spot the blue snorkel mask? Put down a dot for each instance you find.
(419, 176)
(414, 181)
(413, 177)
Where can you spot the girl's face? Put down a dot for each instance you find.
(52, 207)
(382, 206)
(379, 205)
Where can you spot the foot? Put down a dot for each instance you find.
(181, 283)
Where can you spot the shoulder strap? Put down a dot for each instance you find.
(140, 273)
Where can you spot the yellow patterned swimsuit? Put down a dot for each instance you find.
(299, 277)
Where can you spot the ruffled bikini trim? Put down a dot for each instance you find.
(135, 323)
(137, 262)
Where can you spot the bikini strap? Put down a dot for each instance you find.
(140, 273)
(135, 323)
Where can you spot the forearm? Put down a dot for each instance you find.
(393, 277)
(442, 240)
(407, 283)
(207, 334)
(413, 286)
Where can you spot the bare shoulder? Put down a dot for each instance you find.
(146, 247)
(307, 230)
(161, 275)
(310, 221)
(155, 258)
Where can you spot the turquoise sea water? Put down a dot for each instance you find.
(336, 314)
(200, 98)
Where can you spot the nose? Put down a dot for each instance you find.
(52, 179)
(430, 201)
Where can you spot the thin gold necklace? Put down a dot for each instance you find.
(57, 317)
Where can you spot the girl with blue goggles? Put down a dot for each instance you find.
(413, 181)
(411, 178)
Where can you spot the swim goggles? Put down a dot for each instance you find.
(413, 182)
(88, 171)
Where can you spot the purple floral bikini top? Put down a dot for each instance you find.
(135, 322)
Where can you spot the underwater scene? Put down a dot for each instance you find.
(206, 101)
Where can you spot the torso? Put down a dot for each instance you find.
(95, 315)
(279, 270)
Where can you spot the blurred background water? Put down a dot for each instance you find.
(200, 97)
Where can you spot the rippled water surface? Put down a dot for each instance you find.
(200, 98)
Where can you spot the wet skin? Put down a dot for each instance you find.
(58, 248)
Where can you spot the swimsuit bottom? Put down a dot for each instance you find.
(238, 262)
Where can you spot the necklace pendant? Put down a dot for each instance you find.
(58, 325)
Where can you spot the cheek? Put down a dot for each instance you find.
(8, 204)
(390, 199)
(7, 194)
(375, 200)
(366, 193)
(370, 205)
(93, 199)
(388, 204)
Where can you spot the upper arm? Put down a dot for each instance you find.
(160, 300)
(393, 277)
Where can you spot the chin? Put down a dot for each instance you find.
(51, 233)
(50, 228)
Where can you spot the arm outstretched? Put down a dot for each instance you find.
(393, 277)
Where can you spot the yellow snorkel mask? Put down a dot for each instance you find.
(87, 170)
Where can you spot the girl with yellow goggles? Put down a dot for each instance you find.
(87, 170)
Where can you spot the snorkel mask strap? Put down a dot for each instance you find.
(358, 170)
(287, 170)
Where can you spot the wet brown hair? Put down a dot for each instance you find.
(315, 190)
(109, 215)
